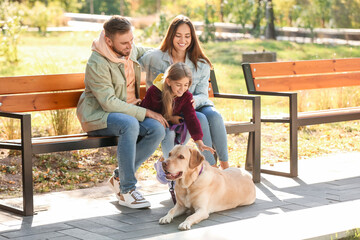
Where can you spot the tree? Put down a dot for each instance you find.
(240, 11)
(270, 27)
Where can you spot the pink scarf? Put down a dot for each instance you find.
(99, 45)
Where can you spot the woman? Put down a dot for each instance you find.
(182, 45)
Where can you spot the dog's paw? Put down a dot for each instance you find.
(165, 220)
(185, 226)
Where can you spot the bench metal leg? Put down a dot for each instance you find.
(293, 136)
(28, 202)
(253, 163)
(293, 150)
(249, 152)
(253, 153)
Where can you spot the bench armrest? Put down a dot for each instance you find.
(256, 107)
(279, 94)
(13, 115)
(25, 127)
(235, 96)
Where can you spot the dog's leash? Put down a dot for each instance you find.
(172, 192)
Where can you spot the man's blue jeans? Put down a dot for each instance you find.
(131, 152)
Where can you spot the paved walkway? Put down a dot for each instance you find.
(322, 201)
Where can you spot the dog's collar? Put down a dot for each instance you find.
(202, 168)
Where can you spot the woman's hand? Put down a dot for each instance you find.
(202, 147)
(193, 103)
(176, 119)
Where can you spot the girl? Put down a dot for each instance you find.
(169, 96)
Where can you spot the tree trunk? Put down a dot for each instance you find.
(122, 6)
(91, 6)
(256, 23)
(270, 27)
(222, 11)
(158, 6)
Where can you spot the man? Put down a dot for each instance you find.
(109, 106)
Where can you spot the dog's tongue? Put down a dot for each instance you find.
(173, 176)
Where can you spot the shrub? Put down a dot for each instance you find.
(11, 28)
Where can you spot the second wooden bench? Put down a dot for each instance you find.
(284, 79)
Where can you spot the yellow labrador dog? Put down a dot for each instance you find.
(203, 188)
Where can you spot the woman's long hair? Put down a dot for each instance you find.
(194, 51)
(175, 72)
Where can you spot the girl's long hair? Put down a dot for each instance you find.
(194, 51)
(175, 72)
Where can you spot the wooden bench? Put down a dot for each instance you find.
(283, 79)
(24, 94)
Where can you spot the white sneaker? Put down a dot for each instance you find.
(133, 199)
(114, 184)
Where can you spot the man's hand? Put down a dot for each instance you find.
(202, 147)
(137, 102)
(157, 116)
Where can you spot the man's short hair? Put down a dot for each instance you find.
(116, 24)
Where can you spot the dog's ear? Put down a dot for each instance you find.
(196, 158)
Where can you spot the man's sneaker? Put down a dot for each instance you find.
(114, 184)
(133, 199)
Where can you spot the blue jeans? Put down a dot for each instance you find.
(213, 127)
(131, 153)
(168, 142)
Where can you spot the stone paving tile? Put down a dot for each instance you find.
(36, 230)
(140, 233)
(94, 227)
(41, 236)
(309, 201)
(134, 227)
(220, 218)
(128, 218)
(349, 196)
(63, 238)
(293, 207)
(83, 234)
(109, 222)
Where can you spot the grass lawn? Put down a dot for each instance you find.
(67, 52)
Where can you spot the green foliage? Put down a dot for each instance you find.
(66, 5)
(62, 121)
(240, 11)
(318, 13)
(42, 16)
(258, 18)
(107, 7)
(208, 32)
(156, 32)
(11, 29)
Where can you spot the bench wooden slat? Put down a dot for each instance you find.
(285, 84)
(41, 83)
(304, 67)
(39, 102)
